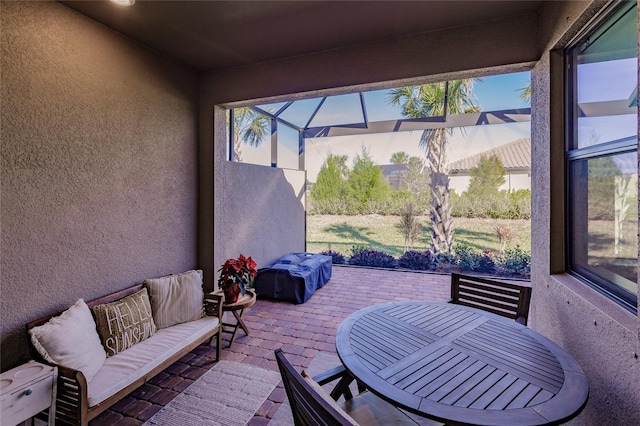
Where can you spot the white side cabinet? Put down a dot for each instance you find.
(25, 391)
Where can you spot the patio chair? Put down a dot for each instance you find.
(311, 405)
(506, 299)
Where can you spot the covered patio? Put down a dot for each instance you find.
(115, 165)
(302, 331)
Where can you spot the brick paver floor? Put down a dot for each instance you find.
(300, 330)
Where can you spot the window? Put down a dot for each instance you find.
(602, 167)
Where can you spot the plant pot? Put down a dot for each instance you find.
(231, 294)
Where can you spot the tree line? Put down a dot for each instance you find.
(362, 189)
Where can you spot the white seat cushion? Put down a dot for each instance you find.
(122, 369)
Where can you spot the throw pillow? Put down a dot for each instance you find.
(176, 298)
(71, 339)
(125, 322)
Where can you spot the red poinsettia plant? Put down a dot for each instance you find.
(241, 271)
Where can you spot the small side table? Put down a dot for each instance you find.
(237, 309)
(27, 390)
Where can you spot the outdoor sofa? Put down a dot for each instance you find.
(108, 347)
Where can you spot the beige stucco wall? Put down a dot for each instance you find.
(507, 45)
(99, 173)
(604, 338)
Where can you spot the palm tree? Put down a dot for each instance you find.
(399, 157)
(429, 100)
(248, 127)
(525, 93)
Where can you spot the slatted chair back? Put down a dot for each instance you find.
(308, 407)
(506, 299)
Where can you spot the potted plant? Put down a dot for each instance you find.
(235, 276)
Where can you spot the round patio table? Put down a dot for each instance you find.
(460, 365)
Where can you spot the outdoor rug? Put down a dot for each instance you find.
(227, 395)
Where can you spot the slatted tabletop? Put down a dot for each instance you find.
(460, 365)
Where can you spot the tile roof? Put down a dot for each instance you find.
(514, 155)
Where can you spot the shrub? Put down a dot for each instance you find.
(500, 205)
(373, 258)
(486, 264)
(418, 260)
(445, 258)
(391, 205)
(505, 235)
(521, 199)
(336, 258)
(469, 259)
(409, 225)
(516, 261)
(358, 248)
(464, 258)
(330, 206)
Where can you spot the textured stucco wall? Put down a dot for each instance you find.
(604, 338)
(268, 213)
(436, 55)
(99, 164)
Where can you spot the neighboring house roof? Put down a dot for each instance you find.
(393, 169)
(514, 155)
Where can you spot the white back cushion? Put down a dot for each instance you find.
(71, 339)
(176, 299)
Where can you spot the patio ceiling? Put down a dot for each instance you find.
(215, 35)
(219, 34)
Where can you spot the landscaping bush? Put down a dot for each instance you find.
(515, 261)
(521, 203)
(512, 262)
(505, 235)
(331, 206)
(373, 258)
(469, 259)
(445, 259)
(410, 225)
(418, 260)
(359, 248)
(336, 258)
(486, 264)
(391, 205)
(500, 205)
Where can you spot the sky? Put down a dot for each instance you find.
(492, 93)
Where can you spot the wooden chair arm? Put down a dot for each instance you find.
(342, 387)
(213, 305)
(330, 375)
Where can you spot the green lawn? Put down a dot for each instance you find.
(340, 233)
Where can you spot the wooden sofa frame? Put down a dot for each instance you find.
(72, 407)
